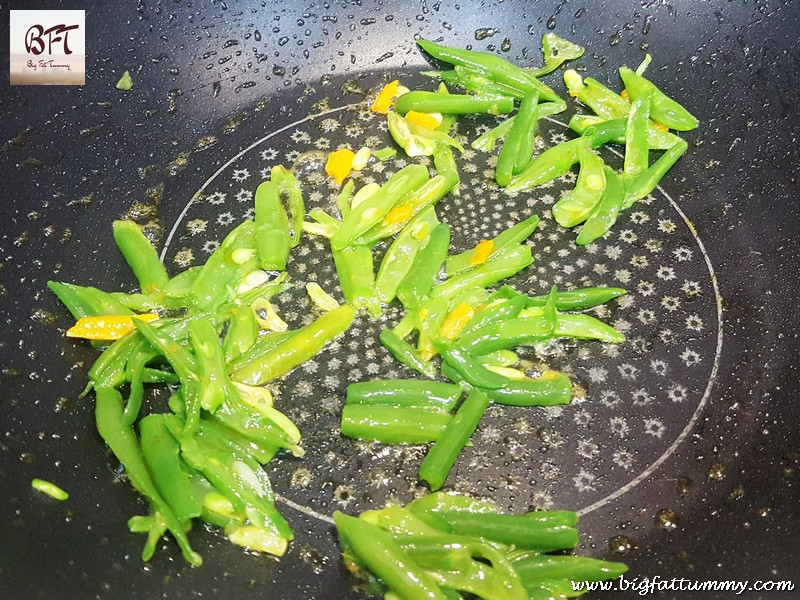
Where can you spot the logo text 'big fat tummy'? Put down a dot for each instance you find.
(47, 47)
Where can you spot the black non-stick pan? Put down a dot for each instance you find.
(681, 452)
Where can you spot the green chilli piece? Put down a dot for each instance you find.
(606, 212)
(302, 346)
(596, 96)
(443, 454)
(663, 109)
(549, 389)
(255, 425)
(216, 283)
(641, 185)
(406, 354)
(516, 234)
(507, 262)
(400, 256)
(415, 139)
(423, 198)
(392, 424)
(470, 369)
(161, 453)
(557, 51)
(583, 326)
(51, 489)
(601, 131)
(223, 468)
(381, 554)
(543, 531)
(553, 162)
(575, 207)
(477, 83)
(86, 301)
(213, 379)
(452, 104)
(263, 344)
(140, 256)
(465, 564)
(123, 443)
(490, 65)
(500, 335)
(419, 280)
(405, 392)
(273, 239)
(357, 278)
(636, 147)
(343, 198)
(488, 140)
(241, 335)
(533, 566)
(385, 154)
(287, 184)
(579, 299)
(518, 145)
(372, 210)
(494, 312)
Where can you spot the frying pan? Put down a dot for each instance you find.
(682, 455)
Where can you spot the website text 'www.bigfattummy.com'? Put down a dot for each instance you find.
(650, 585)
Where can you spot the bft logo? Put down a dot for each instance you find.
(47, 47)
(35, 43)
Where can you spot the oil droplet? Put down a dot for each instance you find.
(216, 88)
(485, 32)
(309, 167)
(551, 22)
(243, 86)
(233, 123)
(620, 544)
(43, 317)
(302, 478)
(343, 494)
(547, 434)
(314, 558)
(506, 45)
(765, 512)
(666, 519)
(23, 239)
(736, 493)
(204, 143)
(178, 164)
(278, 70)
(684, 485)
(63, 404)
(716, 472)
(648, 23)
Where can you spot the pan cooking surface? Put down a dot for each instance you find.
(633, 402)
(721, 506)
